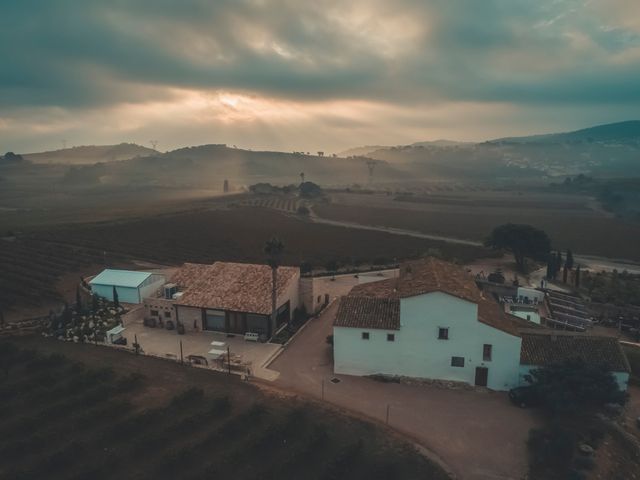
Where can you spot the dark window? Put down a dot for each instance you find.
(457, 361)
(154, 313)
(167, 314)
(365, 335)
(443, 333)
(486, 352)
(391, 337)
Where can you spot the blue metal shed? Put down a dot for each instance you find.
(131, 286)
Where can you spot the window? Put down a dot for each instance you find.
(486, 352)
(457, 361)
(391, 337)
(167, 314)
(365, 335)
(443, 333)
(154, 313)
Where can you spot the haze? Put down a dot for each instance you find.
(287, 75)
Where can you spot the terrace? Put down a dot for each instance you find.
(246, 357)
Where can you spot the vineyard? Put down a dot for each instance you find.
(276, 203)
(31, 267)
(33, 263)
(155, 419)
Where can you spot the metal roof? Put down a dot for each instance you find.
(120, 278)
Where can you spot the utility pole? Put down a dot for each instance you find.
(181, 360)
(229, 359)
(371, 165)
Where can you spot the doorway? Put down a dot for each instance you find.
(482, 375)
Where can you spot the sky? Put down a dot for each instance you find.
(311, 75)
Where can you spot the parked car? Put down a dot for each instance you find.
(523, 397)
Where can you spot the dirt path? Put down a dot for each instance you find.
(479, 435)
(587, 261)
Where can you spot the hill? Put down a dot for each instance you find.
(90, 154)
(621, 132)
(207, 166)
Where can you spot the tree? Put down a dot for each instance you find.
(116, 302)
(565, 272)
(94, 303)
(274, 248)
(78, 299)
(574, 386)
(524, 241)
(569, 261)
(310, 190)
(558, 262)
(496, 276)
(577, 279)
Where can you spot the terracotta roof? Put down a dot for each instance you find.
(434, 275)
(240, 287)
(547, 348)
(423, 276)
(368, 312)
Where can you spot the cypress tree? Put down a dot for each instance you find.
(94, 303)
(569, 260)
(115, 297)
(78, 299)
(577, 281)
(565, 271)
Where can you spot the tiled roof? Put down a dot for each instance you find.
(423, 276)
(547, 348)
(240, 287)
(368, 312)
(433, 275)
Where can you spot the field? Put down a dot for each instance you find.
(33, 262)
(68, 414)
(571, 221)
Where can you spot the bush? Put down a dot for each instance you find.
(552, 447)
(189, 396)
(584, 463)
(330, 339)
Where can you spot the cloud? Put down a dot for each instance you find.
(97, 60)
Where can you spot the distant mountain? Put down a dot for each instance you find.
(624, 132)
(90, 154)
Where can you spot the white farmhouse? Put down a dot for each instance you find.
(430, 322)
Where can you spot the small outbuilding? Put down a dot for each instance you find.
(130, 286)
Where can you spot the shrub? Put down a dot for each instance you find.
(330, 339)
(189, 396)
(552, 447)
(584, 463)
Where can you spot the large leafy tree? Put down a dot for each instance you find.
(524, 241)
(574, 386)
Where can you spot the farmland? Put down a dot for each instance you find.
(572, 221)
(158, 419)
(33, 262)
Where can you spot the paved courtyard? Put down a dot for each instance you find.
(478, 435)
(166, 343)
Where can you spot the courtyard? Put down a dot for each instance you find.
(478, 434)
(247, 357)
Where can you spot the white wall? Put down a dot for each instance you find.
(533, 316)
(151, 285)
(531, 293)
(188, 315)
(291, 294)
(417, 351)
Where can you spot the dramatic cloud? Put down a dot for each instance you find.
(303, 75)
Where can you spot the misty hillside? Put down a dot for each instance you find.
(604, 151)
(90, 154)
(621, 132)
(207, 166)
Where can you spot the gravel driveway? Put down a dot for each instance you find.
(478, 435)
